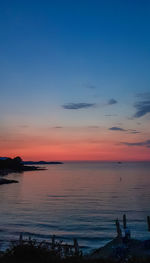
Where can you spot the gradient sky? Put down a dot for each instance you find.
(74, 79)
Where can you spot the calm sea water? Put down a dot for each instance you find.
(79, 200)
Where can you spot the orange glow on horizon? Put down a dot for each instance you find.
(72, 145)
(79, 153)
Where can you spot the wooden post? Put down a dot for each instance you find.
(76, 246)
(148, 223)
(119, 232)
(124, 221)
(53, 241)
(20, 239)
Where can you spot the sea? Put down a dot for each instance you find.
(76, 200)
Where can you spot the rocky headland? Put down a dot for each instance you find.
(14, 165)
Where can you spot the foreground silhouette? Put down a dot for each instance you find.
(33, 252)
(8, 165)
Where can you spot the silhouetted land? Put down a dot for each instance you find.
(7, 181)
(9, 165)
(15, 165)
(41, 162)
(31, 251)
(122, 249)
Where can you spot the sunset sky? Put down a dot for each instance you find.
(75, 79)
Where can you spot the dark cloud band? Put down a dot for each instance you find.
(116, 129)
(112, 101)
(144, 143)
(131, 131)
(77, 106)
(142, 107)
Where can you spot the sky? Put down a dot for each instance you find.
(74, 79)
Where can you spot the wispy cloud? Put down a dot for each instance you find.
(84, 105)
(117, 129)
(112, 101)
(78, 106)
(143, 143)
(142, 107)
(131, 131)
(58, 127)
(91, 87)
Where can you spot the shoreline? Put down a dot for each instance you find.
(17, 165)
(21, 169)
(118, 248)
(115, 251)
(7, 181)
(24, 168)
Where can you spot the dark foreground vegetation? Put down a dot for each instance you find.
(33, 252)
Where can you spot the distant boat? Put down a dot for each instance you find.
(119, 162)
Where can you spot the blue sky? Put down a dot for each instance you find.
(55, 53)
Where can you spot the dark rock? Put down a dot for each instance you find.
(6, 181)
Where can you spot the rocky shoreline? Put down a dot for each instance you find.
(7, 181)
(8, 166)
(5, 172)
(116, 251)
(121, 249)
